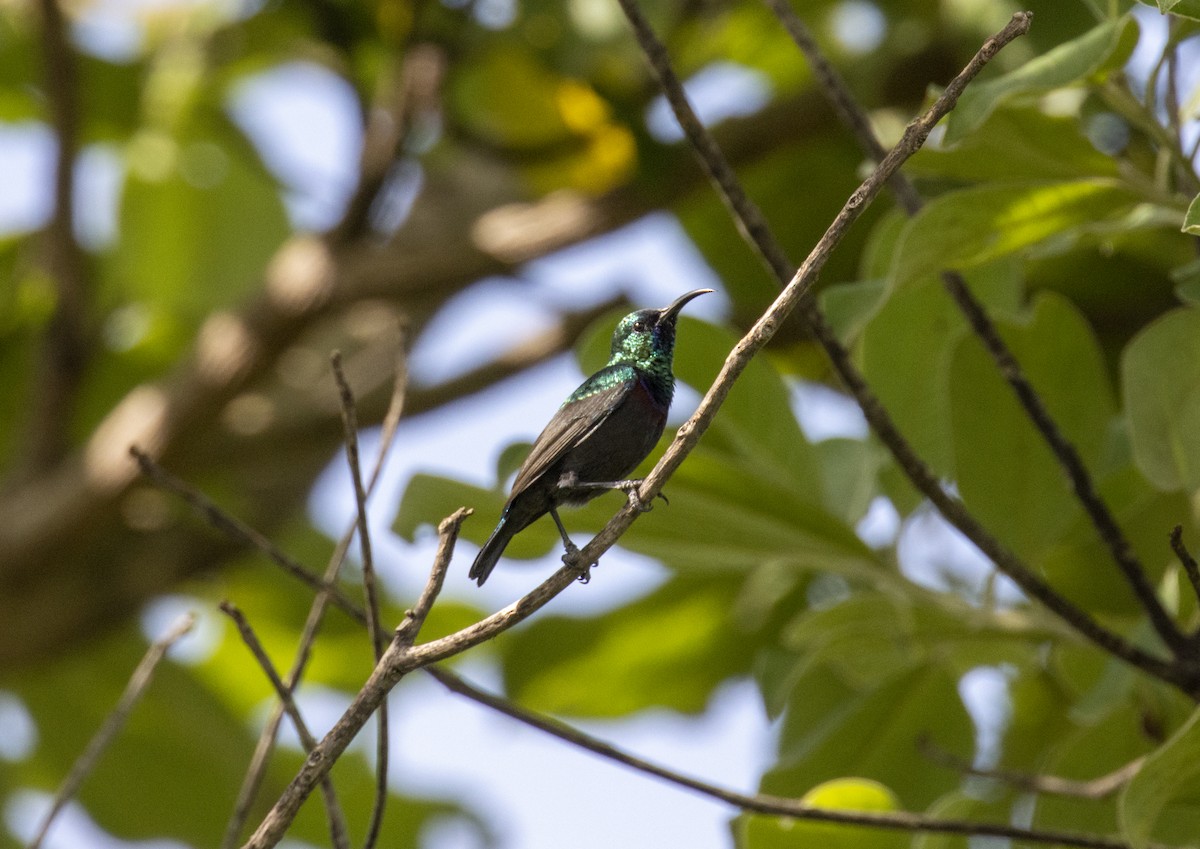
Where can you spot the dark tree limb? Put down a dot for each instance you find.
(852, 114)
(400, 659)
(762, 803)
(1189, 564)
(796, 294)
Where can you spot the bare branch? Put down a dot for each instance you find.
(316, 614)
(796, 294)
(333, 811)
(238, 530)
(138, 682)
(852, 114)
(1055, 785)
(399, 659)
(761, 803)
(374, 631)
(414, 619)
(1186, 559)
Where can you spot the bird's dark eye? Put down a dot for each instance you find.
(639, 326)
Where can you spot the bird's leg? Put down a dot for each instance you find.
(572, 555)
(570, 480)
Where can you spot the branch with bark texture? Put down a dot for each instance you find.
(795, 294)
(400, 659)
(855, 118)
(777, 805)
(316, 614)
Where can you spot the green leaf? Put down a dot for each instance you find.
(907, 348)
(1187, 282)
(1005, 472)
(1139, 508)
(868, 635)
(199, 221)
(1160, 379)
(833, 730)
(757, 831)
(849, 306)
(850, 471)
(1090, 751)
(669, 649)
(1106, 46)
(1162, 801)
(973, 226)
(1189, 9)
(1017, 144)
(1191, 221)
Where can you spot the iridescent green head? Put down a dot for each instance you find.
(646, 338)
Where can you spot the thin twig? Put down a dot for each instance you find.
(1187, 561)
(113, 723)
(854, 116)
(837, 92)
(238, 530)
(796, 294)
(399, 659)
(316, 614)
(1055, 785)
(370, 590)
(414, 619)
(761, 803)
(338, 834)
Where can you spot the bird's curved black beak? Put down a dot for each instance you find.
(670, 313)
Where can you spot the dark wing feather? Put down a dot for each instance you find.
(575, 420)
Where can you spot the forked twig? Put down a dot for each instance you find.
(854, 116)
(761, 803)
(1055, 785)
(796, 294)
(400, 659)
(370, 590)
(338, 834)
(316, 614)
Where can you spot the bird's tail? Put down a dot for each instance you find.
(486, 560)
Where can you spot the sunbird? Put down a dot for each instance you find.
(599, 434)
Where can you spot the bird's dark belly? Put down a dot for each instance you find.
(616, 447)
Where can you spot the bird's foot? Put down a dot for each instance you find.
(572, 559)
(632, 490)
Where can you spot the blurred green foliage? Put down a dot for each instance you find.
(1061, 195)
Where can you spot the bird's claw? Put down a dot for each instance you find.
(635, 498)
(571, 558)
(632, 492)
